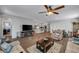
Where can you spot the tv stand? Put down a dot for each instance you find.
(26, 33)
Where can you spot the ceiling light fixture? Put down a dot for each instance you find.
(49, 13)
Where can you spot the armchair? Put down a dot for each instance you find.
(57, 34)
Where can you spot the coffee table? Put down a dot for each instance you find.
(44, 45)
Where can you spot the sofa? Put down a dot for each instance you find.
(16, 48)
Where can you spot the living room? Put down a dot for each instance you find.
(27, 27)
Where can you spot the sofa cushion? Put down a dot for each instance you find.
(6, 47)
(76, 39)
(76, 42)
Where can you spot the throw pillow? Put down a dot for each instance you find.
(6, 47)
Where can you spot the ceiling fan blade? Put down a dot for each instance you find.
(46, 7)
(42, 12)
(59, 7)
(55, 12)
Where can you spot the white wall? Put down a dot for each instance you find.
(0, 28)
(15, 27)
(63, 25)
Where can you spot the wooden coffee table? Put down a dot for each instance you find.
(44, 45)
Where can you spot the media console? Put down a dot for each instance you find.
(26, 33)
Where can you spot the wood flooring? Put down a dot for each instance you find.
(29, 41)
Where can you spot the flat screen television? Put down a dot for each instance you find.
(26, 27)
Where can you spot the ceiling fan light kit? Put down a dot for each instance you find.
(49, 13)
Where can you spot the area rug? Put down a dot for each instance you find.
(54, 49)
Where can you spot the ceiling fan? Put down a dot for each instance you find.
(51, 10)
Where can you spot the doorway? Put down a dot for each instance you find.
(7, 30)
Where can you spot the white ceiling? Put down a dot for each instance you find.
(31, 12)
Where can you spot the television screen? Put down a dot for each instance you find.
(26, 27)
